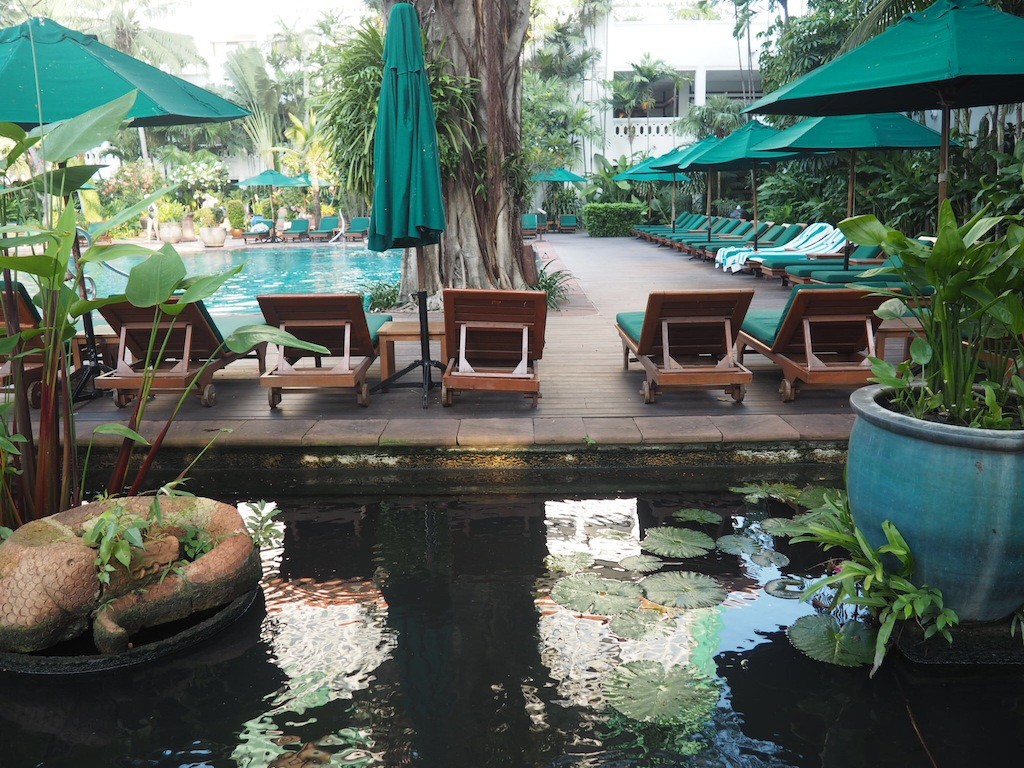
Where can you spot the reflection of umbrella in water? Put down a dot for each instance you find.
(645, 171)
(853, 132)
(272, 178)
(408, 209)
(78, 73)
(956, 53)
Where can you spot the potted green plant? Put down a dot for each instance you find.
(940, 453)
(236, 217)
(211, 232)
(169, 214)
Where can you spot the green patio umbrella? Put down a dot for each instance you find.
(271, 178)
(408, 209)
(675, 160)
(956, 53)
(644, 171)
(78, 73)
(557, 176)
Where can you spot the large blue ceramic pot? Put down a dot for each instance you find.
(955, 493)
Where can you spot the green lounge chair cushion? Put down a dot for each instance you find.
(374, 322)
(632, 323)
(763, 324)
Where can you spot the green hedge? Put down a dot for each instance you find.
(612, 219)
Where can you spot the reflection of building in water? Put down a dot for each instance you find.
(606, 528)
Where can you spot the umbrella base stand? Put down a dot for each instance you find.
(424, 364)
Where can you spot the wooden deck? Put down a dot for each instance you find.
(585, 393)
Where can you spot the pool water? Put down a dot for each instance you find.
(423, 633)
(322, 268)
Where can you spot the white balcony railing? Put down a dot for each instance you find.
(650, 135)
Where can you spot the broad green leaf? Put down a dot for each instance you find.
(812, 497)
(38, 238)
(123, 553)
(569, 562)
(134, 537)
(641, 563)
(640, 624)
(39, 265)
(677, 542)
(113, 428)
(86, 131)
(734, 544)
(153, 281)
(588, 593)
(199, 288)
(81, 306)
(756, 492)
(248, 336)
(864, 230)
(683, 589)
(821, 637)
(128, 214)
(920, 351)
(648, 692)
(97, 253)
(697, 516)
(61, 182)
(780, 526)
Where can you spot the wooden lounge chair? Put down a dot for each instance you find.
(299, 230)
(567, 222)
(496, 338)
(327, 229)
(335, 321)
(358, 228)
(686, 340)
(192, 340)
(529, 225)
(32, 361)
(822, 338)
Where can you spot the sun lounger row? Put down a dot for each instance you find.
(495, 339)
(265, 231)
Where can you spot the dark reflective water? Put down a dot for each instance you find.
(423, 634)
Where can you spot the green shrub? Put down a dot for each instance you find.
(236, 214)
(170, 210)
(205, 218)
(612, 219)
(383, 295)
(553, 284)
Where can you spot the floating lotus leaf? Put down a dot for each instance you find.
(683, 589)
(588, 593)
(821, 637)
(813, 496)
(677, 542)
(569, 562)
(756, 492)
(788, 588)
(779, 526)
(737, 545)
(640, 624)
(641, 563)
(768, 557)
(646, 691)
(697, 516)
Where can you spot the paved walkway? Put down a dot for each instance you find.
(588, 400)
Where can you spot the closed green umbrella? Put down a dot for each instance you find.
(78, 73)
(271, 178)
(408, 209)
(956, 53)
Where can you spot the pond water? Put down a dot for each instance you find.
(320, 268)
(424, 633)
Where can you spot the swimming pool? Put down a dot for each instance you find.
(321, 268)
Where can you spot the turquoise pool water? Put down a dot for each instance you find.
(318, 268)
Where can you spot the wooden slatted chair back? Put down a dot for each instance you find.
(506, 308)
(693, 337)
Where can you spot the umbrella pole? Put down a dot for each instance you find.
(421, 299)
(847, 246)
(944, 159)
(673, 201)
(753, 187)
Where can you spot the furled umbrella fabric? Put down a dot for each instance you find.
(408, 209)
(953, 54)
(78, 73)
(644, 172)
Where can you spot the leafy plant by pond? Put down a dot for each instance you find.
(823, 638)
(555, 284)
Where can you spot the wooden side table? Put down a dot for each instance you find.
(405, 330)
(906, 329)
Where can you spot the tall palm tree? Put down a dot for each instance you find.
(719, 117)
(308, 153)
(248, 75)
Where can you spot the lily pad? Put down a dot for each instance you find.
(683, 589)
(821, 637)
(569, 562)
(641, 563)
(588, 593)
(640, 624)
(767, 557)
(648, 692)
(756, 492)
(779, 526)
(813, 496)
(737, 545)
(697, 516)
(788, 588)
(677, 542)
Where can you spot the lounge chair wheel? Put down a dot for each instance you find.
(363, 395)
(446, 396)
(647, 391)
(273, 397)
(787, 391)
(121, 399)
(35, 395)
(208, 398)
(738, 392)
